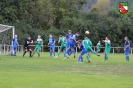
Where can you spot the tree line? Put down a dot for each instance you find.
(44, 17)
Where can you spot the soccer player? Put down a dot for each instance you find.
(63, 47)
(73, 40)
(126, 48)
(83, 51)
(68, 36)
(98, 47)
(52, 45)
(87, 43)
(38, 46)
(107, 48)
(61, 40)
(14, 45)
(28, 41)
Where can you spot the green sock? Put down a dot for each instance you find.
(38, 54)
(58, 53)
(33, 53)
(95, 52)
(87, 57)
(106, 58)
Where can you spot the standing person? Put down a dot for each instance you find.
(52, 45)
(28, 41)
(68, 36)
(83, 51)
(98, 47)
(14, 45)
(73, 41)
(107, 48)
(126, 48)
(88, 45)
(61, 41)
(38, 46)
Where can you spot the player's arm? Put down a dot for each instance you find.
(106, 41)
(79, 46)
(127, 45)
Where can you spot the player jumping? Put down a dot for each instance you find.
(28, 41)
(14, 45)
(38, 46)
(126, 48)
(107, 48)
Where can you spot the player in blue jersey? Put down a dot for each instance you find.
(126, 48)
(83, 51)
(52, 45)
(73, 40)
(68, 37)
(14, 45)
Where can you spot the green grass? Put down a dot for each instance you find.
(43, 72)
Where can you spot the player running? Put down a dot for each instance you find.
(52, 45)
(107, 48)
(68, 36)
(28, 41)
(63, 47)
(87, 43)
(38, 46)
(98, 47)
(14, 45)
(126, 48)
(83, 51)
(73, 41)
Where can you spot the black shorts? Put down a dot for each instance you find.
(27, 47)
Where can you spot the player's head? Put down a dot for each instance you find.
(69, 31)
(15, 36)
(86, 38)
(77, 33)
(126, 38)
(29, 37)
(50, 36)
(60, 36)
(39, 36)
(106, 38)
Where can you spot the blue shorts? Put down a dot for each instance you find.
(14, 47)
(52, 48)
(83, 52)
(72, 45)
(127, 51)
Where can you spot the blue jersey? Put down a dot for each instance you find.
(127, 43)
(82, 47)
(51, 41)
(15, 41)
(73, 38)
(68, 37)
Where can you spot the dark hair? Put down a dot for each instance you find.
(80, 41)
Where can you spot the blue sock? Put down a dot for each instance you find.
(127, 58)
(79, 58)
(54, 54)
(82, 59)
(14, 53)
(50, 54)
(11, 53)
(70, 52)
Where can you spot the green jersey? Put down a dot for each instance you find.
(107, 46)
(61, 40)
(98, 45)
(39, 42)
(87, 43)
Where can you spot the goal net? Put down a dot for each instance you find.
(6, 36)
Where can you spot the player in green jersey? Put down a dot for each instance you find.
(62, 41)
(107, 48)
(88, 45)
(38, 46)
(98, 46)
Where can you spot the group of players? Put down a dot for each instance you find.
(68, 44)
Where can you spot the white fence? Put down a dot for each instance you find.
(5, 49)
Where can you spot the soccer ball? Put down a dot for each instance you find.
(87, 32)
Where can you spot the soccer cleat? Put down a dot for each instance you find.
(88, 61)
(103, 60)
(74, 56)
(98, 55)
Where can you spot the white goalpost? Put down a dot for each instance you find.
(6, 35)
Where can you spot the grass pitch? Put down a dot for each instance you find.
(45, 72)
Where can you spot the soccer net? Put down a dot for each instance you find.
(6, 35)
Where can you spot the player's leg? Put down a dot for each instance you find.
(126, 52)
(80, 58)
(72, 46)
(12, 51)
(90, 49)
(38, 52)
(30, 50)
(24, 52)
(61, 48)
(50, 51)
(53, 50)
(15, 50)
(35, 50)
